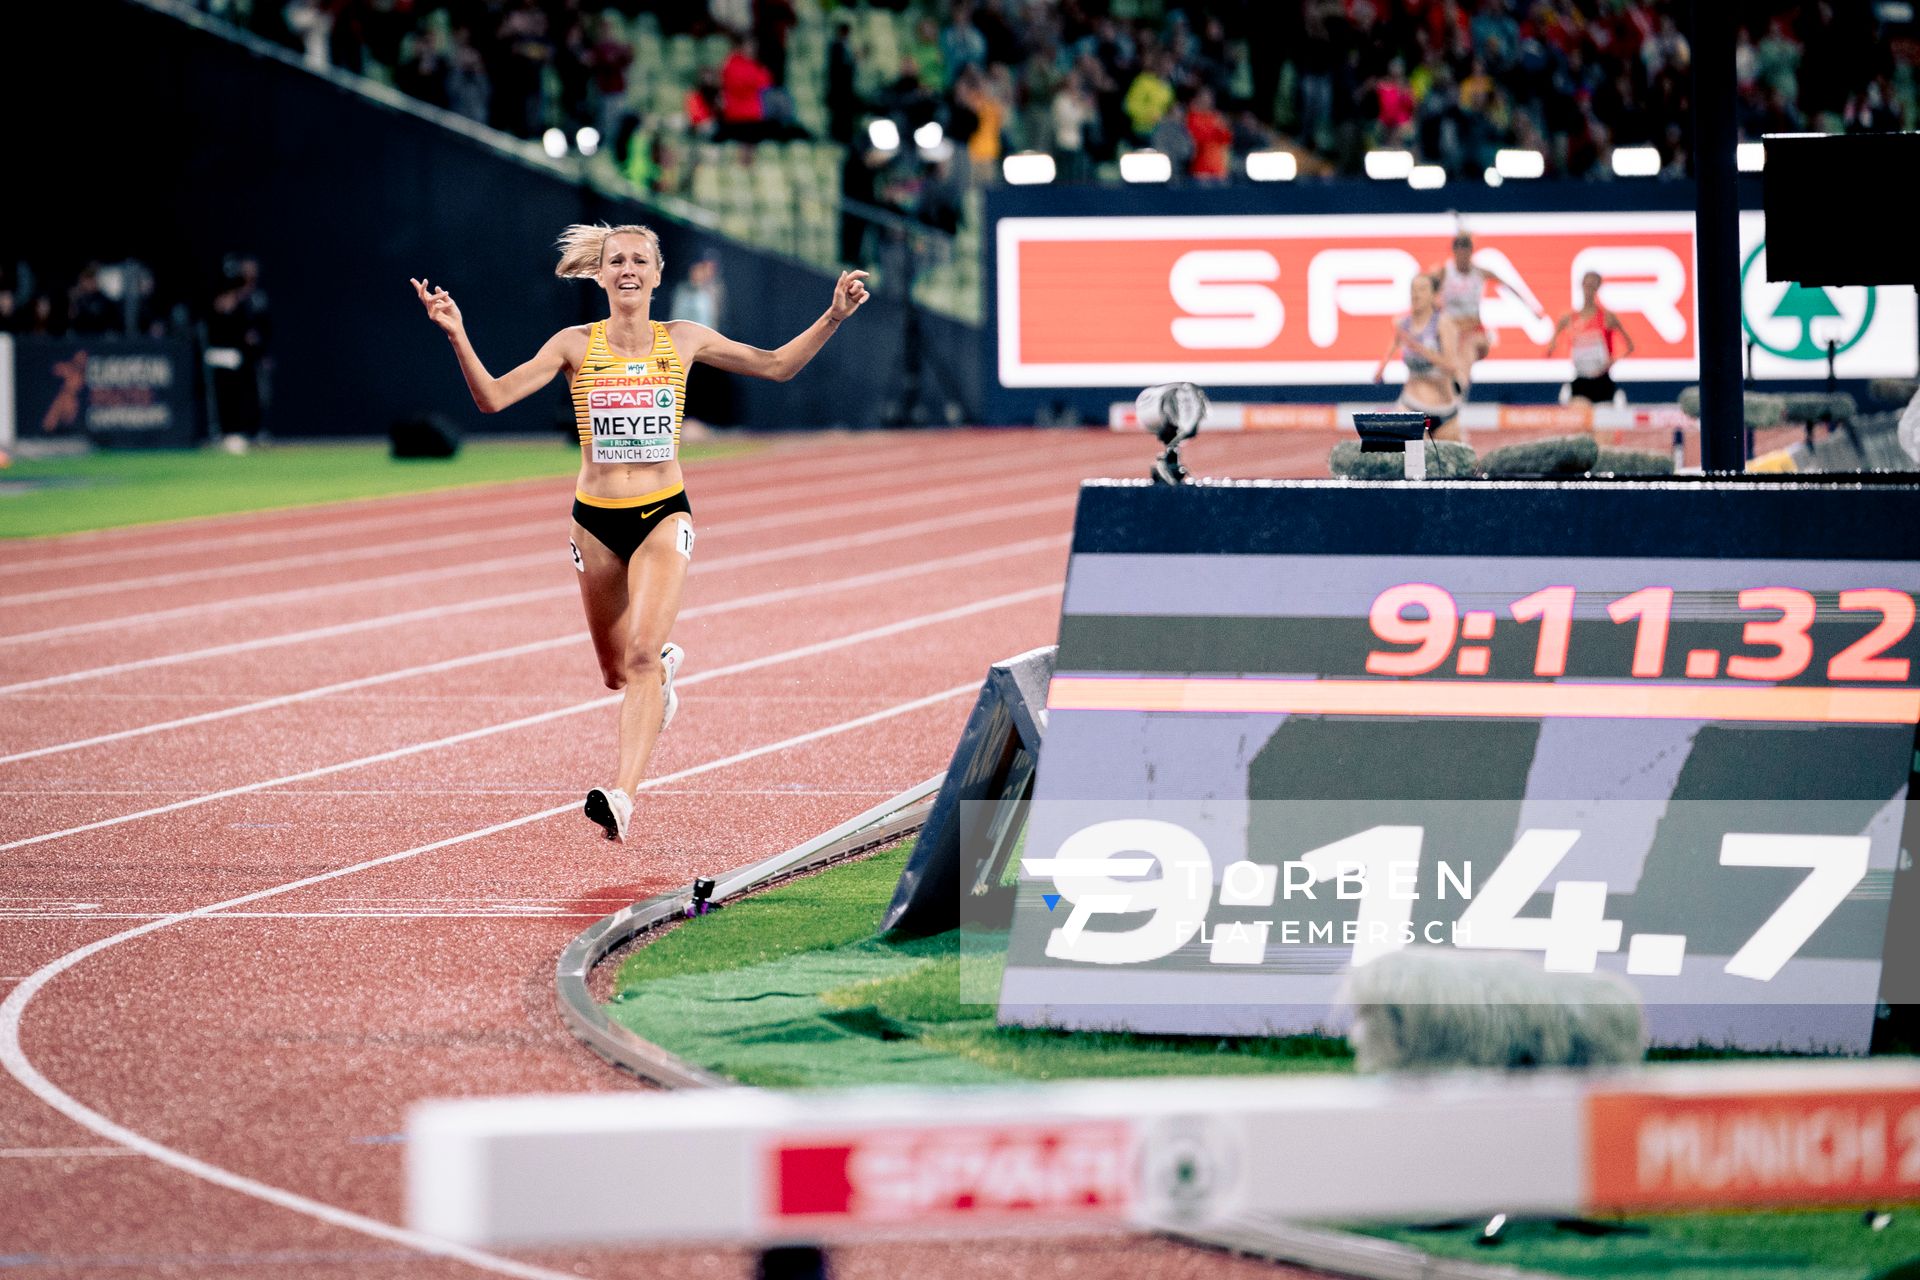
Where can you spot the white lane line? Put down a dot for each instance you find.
(13, 1010)
(965, 560)
(315, 520)
(519, 597)
(723, 501)
(973, 515)
(470, 735)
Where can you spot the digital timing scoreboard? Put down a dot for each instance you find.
(1666, 731)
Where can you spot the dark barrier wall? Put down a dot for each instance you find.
(177, 146)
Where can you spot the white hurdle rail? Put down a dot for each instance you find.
(747, 1166)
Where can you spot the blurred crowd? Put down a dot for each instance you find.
(1452, 80)
(128, 298)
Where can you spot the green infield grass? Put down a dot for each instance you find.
(111, 488)
(793, 988)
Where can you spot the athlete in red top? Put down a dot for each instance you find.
(1592, 329)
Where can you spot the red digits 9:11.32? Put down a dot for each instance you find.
(1779, 636)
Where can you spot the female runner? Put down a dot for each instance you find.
(1463, 283)
(1593, 328)
(632, 526)
(1416, 338)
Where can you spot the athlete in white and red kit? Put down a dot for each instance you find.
(1594, 330)
(1463, 283)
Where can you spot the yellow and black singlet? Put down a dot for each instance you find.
(628, 407)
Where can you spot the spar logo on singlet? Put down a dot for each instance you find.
(631, 423)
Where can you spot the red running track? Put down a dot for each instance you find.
(288, 813)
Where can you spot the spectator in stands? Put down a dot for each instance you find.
(702, 105)
(237, 334)
(744, 81)
(773, 20)
(1074, 114)
(843, 94)
(469, 87)
(423, 69)
(608, 60)
(924, 49)
(961, 44)
(526, 52)
(1393, 101)
(1212, 138)
(1150, 96)
(89, 310)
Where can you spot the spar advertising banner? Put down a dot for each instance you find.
(141, 392)
(1310, 300)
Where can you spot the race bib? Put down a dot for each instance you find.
(1591, 356)
(632, 423)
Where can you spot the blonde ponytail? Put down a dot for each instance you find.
(583, 246)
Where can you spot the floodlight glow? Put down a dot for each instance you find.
(1519, 162)
(1272, 166)
(555, 142)
(929, 135)
(1146, 166)
(884, 135)
(1750, 157)
(587, 140)
(1427, 177)
(1389, 165)
(1636, 162)
(1027, 168)
(1493, 177)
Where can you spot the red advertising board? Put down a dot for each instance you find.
(1276, 300)
(1079, 1173)
(1662, 1151)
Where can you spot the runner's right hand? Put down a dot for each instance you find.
(441, 308)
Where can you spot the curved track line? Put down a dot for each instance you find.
(485, 731)
(14, 1058)
(805, 591)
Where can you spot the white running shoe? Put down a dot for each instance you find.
(612, 808)
(671, 657)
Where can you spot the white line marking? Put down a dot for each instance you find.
(13, 1010)
(809, 590)
(524, 722)
(314, 520)
(493, 534)
(556, 556)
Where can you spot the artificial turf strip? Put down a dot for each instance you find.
(112, 488)
(1812, 1245)
(792, 988)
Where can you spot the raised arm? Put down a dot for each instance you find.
(698, 342)
(1513, 289)
(491, 394)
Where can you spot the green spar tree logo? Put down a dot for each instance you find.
(1805, 305)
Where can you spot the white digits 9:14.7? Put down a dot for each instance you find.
(1098, 868)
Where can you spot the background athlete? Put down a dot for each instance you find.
(1429, 386)
(1463, 283)
(632, 525)
(1592, 328)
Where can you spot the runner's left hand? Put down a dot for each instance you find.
(848, 294)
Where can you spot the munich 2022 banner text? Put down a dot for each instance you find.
(1310, 300)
